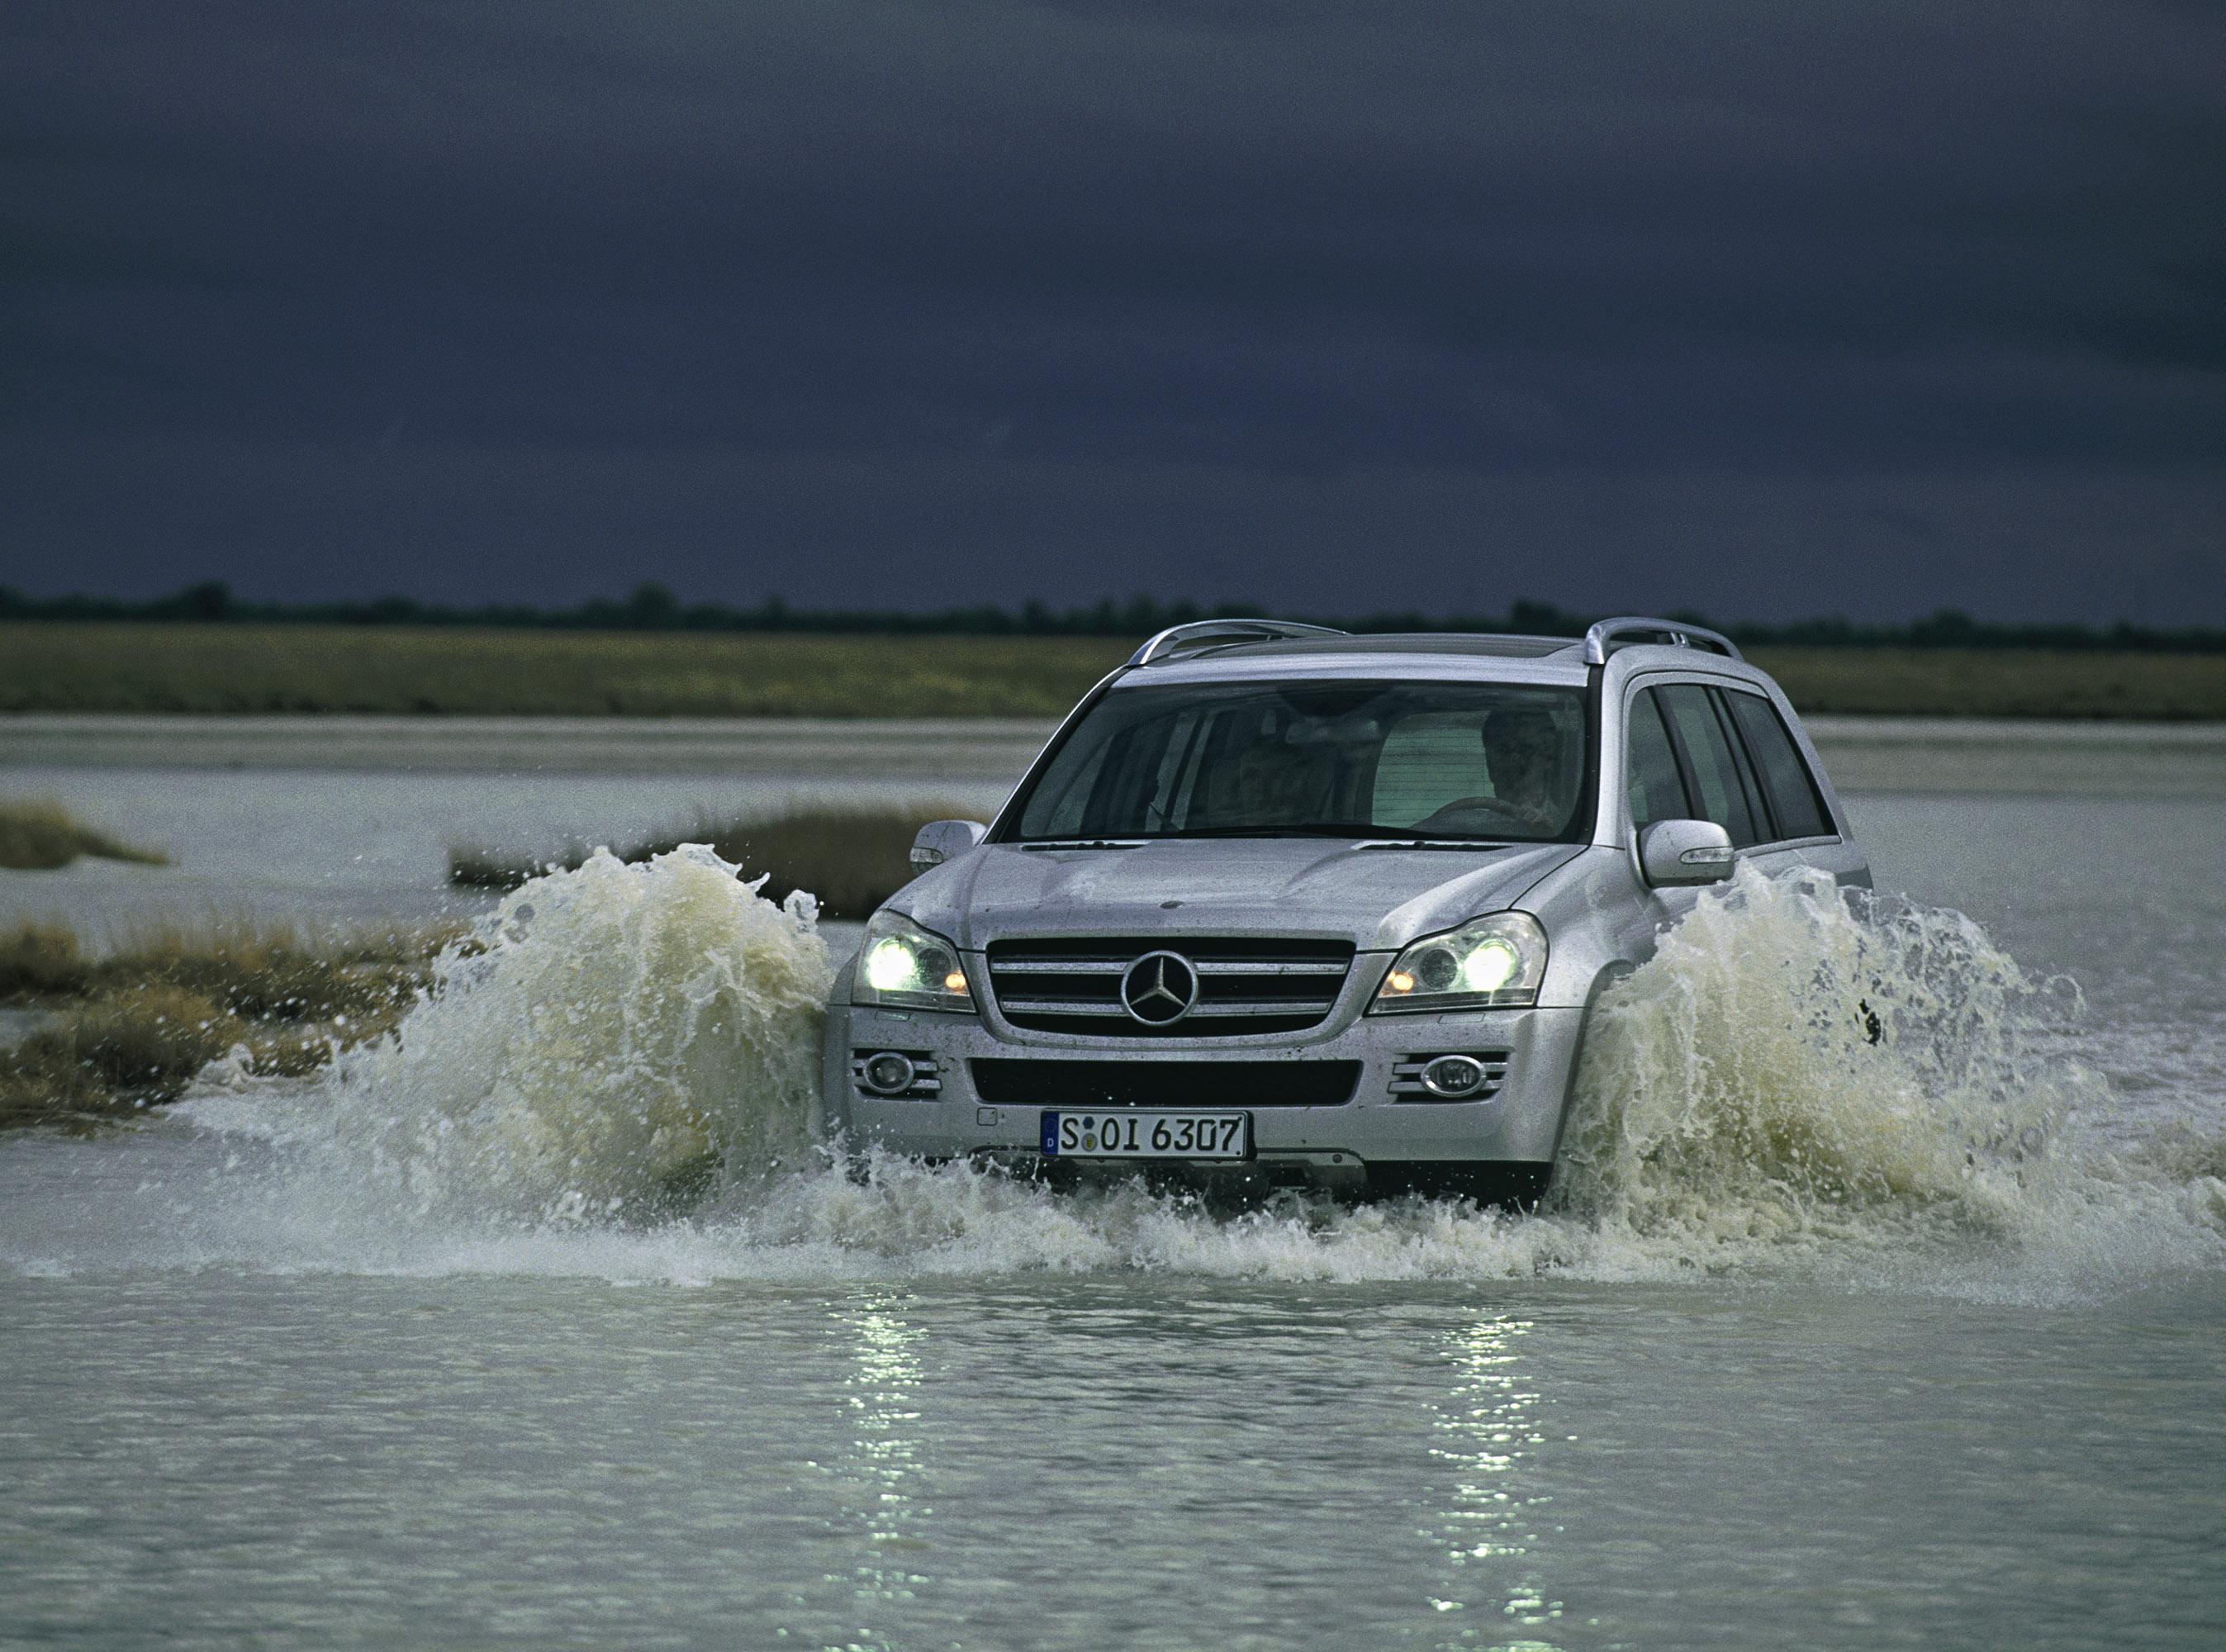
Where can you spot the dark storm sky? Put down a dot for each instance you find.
(1766, 309)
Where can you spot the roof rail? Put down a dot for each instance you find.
(1600, 640)
(1209, 634)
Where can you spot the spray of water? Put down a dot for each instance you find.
(611, 1040)
(623, 1062)
(1788, 1067)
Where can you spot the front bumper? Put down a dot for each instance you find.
(1376, 1133)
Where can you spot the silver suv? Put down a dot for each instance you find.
(1279, 904)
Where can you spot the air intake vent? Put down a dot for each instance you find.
(1231, 987)
(1165, 1083)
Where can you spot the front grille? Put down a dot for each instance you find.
(1165, 1083)
(1244, 987)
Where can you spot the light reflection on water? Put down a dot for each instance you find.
(1492, 1533)
(881, 1477)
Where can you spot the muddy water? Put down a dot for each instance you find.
(1824, 1344)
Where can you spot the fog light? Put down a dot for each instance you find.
(889, 1073)
(1454, 1076)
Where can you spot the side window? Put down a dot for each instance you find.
(1650, 765)
(1793, 795)
(1119, 792)
(1713, 761)
(1066, 814)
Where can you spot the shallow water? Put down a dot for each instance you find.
(1826, 1344)
(355, 845)
(1051, 1461)
(2123, 897)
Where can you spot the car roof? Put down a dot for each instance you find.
(1413, 642)
(1447, 656)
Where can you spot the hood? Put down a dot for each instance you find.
(1378, 898)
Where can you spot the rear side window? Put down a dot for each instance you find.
(1651, 766)
(1793, 795)
(1714, 762)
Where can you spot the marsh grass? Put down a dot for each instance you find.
(851, 859)
(403, 672)
(38, 834)
(41, 960)
(402, 669)
(130, 1029)
(1999, 683)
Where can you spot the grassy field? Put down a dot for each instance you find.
(320, 668)
(2004, 683)
(221, 669)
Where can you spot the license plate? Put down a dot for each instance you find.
(1146, 1135)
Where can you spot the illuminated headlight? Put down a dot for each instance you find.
(1486, 962)
(904, 964)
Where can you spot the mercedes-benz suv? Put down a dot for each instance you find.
(1281, 904)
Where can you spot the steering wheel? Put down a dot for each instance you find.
(1495, 805)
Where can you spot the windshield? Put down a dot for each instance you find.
(1485, 761)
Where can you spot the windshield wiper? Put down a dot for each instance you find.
(1382, 837)
(1347, 829)
(1437, 843)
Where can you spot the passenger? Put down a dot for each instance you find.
(1520, 746)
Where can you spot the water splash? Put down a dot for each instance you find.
(1787, 1067)
(609, 1038)
(1789, 1083)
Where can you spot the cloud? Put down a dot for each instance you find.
(297, 520)
(1291, 243)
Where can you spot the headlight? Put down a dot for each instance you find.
(904, 964)
(1487, 961)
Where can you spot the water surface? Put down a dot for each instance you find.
(1919, 1345)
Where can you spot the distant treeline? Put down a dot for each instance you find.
(653, 607)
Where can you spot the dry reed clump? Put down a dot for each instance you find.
(41, 960)
(38, 834)
(276, 972)
(852, 859)
(129, 1031)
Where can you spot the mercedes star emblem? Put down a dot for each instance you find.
(1160, 987)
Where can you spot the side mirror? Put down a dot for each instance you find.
(1685, 851)
(939, 840)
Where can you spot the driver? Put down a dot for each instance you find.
(1520, 746)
